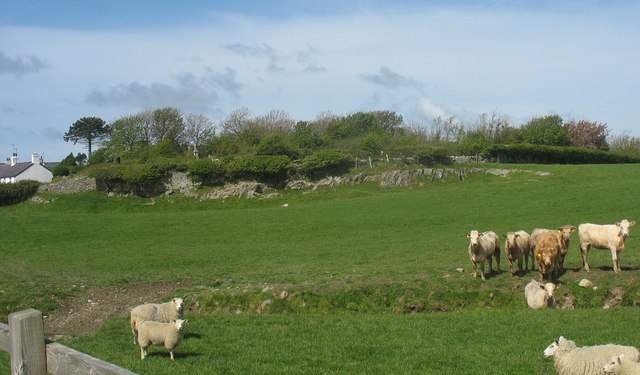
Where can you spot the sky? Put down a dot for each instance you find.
(67, 59)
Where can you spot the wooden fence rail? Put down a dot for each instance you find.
(32, 354)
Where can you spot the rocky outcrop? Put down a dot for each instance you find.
(70, 185)
(181, 183)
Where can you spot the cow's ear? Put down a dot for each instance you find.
(573, 228)
(632, 224)
(618, 224)
(469, 235)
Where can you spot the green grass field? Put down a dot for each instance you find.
(356, 261)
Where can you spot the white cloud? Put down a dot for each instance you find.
(430, 110)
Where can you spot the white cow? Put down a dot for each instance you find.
(610, 236)
(482, 246)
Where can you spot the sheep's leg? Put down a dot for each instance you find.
(171, 354)
(143, 352)
(584, 249)
(496, 254)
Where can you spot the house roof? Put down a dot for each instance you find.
(15, 170)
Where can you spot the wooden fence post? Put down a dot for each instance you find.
(26, 333)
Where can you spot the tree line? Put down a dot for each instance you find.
(169, 133)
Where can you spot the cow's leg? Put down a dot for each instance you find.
(475, 272)
(584, 249)
(490, 264)
(482, 269)
(615, 256)
(520, 266)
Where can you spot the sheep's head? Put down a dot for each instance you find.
(178, 303)
(552, 349)
(180, 323)
(612, 364)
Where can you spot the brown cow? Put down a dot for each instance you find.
(547, 253)
(518, 245)
(564, 236)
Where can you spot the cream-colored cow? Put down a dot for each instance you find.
(609, 236)
(482, 246)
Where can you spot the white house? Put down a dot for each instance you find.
(12, 171)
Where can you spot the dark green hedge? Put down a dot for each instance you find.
(206, 170)
(324, 162)
(259, 167)
(542, 154)
(17, 192)
(433, 155)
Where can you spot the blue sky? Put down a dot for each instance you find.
(63, 60)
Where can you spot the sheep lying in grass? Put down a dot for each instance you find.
(157, 312)
(539, 295)
(155, 333)
(586, 360)
(620, 365)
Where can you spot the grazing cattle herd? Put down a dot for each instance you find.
(548, 247)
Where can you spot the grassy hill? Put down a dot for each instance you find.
(354, 261)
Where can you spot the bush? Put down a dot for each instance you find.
(260, 167)
(324, 162)
(527, 153)
(206, 170)
(274, 145)
(17, 192)
(433, 155)
(60, 170)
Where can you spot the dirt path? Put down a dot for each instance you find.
(85, 312)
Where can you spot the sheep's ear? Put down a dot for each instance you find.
(517, 235)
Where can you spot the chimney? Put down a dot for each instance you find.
(7, 162)
(14, 159)
(35, 158)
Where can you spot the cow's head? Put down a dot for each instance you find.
(544, 257)
(565, 232)
(474, 237)
(510, 243)
(624, 226)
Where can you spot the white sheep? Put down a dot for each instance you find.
(155, 333)
(620, 365)
(157, 312)
(539, 295)
(586, 360)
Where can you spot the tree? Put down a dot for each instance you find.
(198, 129)
(546, 130)
(236, 122)
(87, 130)
(168, 124)
(588, 134)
